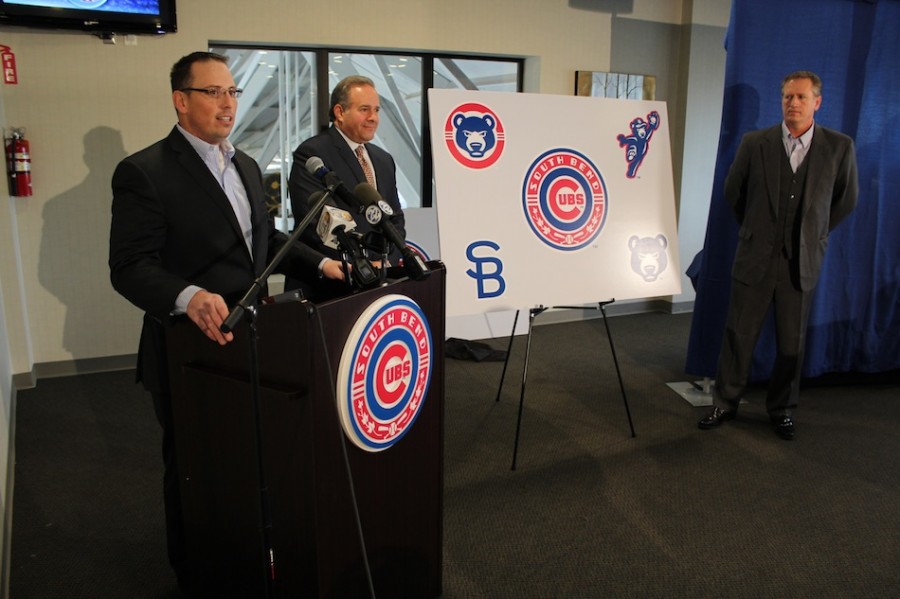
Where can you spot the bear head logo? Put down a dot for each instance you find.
(648, 256)
(475, 134)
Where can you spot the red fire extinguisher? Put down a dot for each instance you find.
(18, 164)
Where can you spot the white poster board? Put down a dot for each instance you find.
(547, 200)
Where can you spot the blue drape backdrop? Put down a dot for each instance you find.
(853, 45)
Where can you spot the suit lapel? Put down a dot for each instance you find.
(199, 173)
(349, 158)
(258, 215)
(773, 149)
(819, 152)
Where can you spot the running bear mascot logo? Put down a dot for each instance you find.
(648, 256)
(638, 143)
(475, 134)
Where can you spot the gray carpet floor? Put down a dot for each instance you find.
(590, 511)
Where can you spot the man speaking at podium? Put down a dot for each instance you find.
(190, 233)
(346, 150)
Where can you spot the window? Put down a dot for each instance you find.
(285, 101)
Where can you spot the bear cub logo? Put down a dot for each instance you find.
(475, 134)
(648, 256)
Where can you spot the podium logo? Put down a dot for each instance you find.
(564, 198)
(384, 372)
(474, 135)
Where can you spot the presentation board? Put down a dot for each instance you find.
(546, 200)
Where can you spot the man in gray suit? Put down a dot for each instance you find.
(789, 186)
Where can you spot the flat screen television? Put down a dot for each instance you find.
(95, 16)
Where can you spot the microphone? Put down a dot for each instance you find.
(331, 218)
(316, 166)
(362, 270)
(375, 210)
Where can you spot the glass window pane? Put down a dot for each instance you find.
(398, 80)
(484, 75)
(276, 112)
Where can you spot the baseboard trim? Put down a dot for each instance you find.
(47, 370)
(625, 308)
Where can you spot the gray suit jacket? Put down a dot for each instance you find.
(752, 188)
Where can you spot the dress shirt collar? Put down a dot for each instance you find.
(208, 151)
(805, 139)
(353, 145)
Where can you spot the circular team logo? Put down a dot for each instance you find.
(474, 135)
(384, 372)
(564, 198)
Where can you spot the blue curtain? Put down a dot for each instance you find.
(853, 45)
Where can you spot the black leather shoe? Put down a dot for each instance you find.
(784, 427)
(715, 417)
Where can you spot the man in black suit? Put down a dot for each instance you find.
(355, 109)
(789, 186)
(189, 235)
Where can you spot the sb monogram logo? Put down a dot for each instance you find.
(487, 269)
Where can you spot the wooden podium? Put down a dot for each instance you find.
(317, 550)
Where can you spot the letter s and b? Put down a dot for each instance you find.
(486, 268)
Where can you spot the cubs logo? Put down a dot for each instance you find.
(648, 256)
(564, 198)
(474, 135)
(384, 372)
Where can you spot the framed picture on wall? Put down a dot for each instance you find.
(615, 85)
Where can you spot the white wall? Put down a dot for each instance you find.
(704, 74)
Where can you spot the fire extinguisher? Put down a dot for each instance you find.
(18, 164)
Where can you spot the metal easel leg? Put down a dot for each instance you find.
(532, 314)
(612, 347)
(508, 352)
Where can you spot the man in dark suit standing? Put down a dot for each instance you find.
(189, 235)
(789, 186)
(346, 150)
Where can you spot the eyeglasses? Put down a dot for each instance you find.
(215, 92)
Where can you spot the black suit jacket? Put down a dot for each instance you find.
(334, 151)
(173, 226)
(752, 188)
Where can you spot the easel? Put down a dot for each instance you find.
(532, 314)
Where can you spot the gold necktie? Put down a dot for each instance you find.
(367, 169)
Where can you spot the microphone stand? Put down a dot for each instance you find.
(247, 305)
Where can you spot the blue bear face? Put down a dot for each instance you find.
(474, 134)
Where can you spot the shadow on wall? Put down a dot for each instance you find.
(74, 250)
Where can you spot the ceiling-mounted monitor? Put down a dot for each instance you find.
(95, 16)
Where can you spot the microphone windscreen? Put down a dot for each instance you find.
(314, 164)
(367, 194)
(330, 219)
